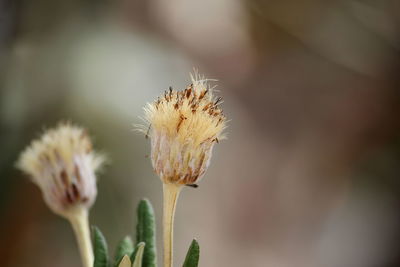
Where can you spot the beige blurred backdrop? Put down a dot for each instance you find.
(309, 174)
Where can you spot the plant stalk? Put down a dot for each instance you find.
(79, 220)
(171, 194)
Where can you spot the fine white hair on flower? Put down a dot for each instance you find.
(183, 127)
(62, 163)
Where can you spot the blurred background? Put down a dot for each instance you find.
(309, 174)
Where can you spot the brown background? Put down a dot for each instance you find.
(309, 174)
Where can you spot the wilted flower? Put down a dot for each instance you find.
(63, 165)
(183, 128)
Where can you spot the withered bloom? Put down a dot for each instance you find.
(63, 164)
(183, 128)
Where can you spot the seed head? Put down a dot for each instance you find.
(183, 128)
(63, 165)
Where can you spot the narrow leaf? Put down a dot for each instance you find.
(135, 250)
(100, 249)
(138, 257)
(125, 247)
(145, 232)
(193, 254)
(125, 262)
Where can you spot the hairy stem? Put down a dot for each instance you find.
(171, 194)
(79, 220)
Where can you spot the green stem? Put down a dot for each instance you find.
(171, 194)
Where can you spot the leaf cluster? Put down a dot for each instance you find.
(143, 252)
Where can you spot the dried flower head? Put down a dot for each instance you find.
(183, 127)
(63, 165)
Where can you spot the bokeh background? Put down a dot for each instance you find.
(309, 174)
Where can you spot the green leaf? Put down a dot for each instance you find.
(137, 256)
(193, 254)
(125, 247)
(100, 249)
(145, 232)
